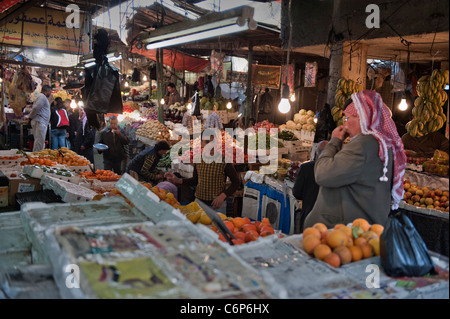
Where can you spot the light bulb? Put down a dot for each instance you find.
(229, 105)
(163, 102)
(73, 104)
(189, 106)
(80, 104)
(284, 106)
(293, 97)
(126, 84)
(403, 106)
(315, 120)
(144, 78)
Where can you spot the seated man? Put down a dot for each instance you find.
(426, 145)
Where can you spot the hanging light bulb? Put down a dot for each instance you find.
(163, 102)
(80, 104)
(73, 104)
(315, 120)
(284, 105)
(126, 84)
(229, 105)
(189, 106)
(403, 106)
(144, 78)
(293, 97)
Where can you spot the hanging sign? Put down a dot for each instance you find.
(310, 74)
(44, 31)
(235, 76)
(6, 4)
(266, 76)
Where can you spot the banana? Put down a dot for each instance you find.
(418, 101)
(339, 84)
(430, 126)
(425, 117)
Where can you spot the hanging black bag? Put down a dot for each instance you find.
(402, 250)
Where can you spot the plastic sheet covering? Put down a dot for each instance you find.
(175, 259)
(288, 266)
(15, 249)
(36, 217)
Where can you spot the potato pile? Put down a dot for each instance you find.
(154, 130)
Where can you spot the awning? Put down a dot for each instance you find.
(175, 59)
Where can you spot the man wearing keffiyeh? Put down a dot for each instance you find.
(364, 178)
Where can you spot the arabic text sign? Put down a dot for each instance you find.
(40, 32)
(266, 75)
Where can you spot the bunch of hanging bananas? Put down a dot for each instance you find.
(427, 112)
(345, 88)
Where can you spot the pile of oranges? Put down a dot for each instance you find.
(244, 229)
(163, 195)
(38, 161)
(343, 244)
(62, 156)
(10, 158)
(101, 174)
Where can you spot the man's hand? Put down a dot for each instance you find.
(340, 132)
(173, 179)
(218, 201)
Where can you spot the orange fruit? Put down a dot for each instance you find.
(239, 235)
(377, 228)
(229, 225)
(266, 231)
(321, 251)
(251, 235)
(357, 253)
(264, 222)
(367, 250)
(333, 260)
(349, 242)
(360, 241)
(338, 226)
(347, 230)
(321, 227)
(323, 237)
(238, 241)
(310, 242)
(238, 222)
(368, 235)
(361, 222)
(336, 238)
(222, 238)
(248, 227)
(311, 231)
(247, 220)
(344, 254)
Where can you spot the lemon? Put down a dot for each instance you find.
(222, 216)
(204, 219)
(194, 216)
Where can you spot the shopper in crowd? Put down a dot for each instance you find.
(84, 140)
(305, 186)
(115, 138)
(324, 126)
(265, 106)
(425, 146)
(74, 123)
(209, 180)
(144, 165)
(59, 123)
(364, 177)
(174, 96)
(40, 117)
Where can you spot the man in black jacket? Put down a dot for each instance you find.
(305, 186)
(115, 139)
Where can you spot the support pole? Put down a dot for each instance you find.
(159, 77)
(249, 99)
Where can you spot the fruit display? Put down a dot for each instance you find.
(49, 170)
(344, 243)
(61, 156)
(270, 140)
(345, 88)
(10, 158)
(428, 114)
(293, 170)
(154, 130)
(303, 120)
(265, 125)
(438, 165)
(426, 198)
(63, 94)
(208, 104)
(101, 174)
(163, 195)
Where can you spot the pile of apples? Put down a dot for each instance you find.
(425, 197)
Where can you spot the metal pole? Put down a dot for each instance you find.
(249, 85)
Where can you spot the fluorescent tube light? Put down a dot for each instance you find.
(198, 36)
(111, 59)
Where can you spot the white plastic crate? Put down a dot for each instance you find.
(69, 192)
(37, 172)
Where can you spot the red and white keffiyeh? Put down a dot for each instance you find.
(376, 119)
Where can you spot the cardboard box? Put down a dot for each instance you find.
(22, 184)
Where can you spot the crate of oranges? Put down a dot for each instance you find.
(344, 243)
(101, 175)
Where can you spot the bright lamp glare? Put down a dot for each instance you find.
(80, 104)
(403, 106)
(284, 106)
(315, 120)
(229, 105)
(293, 98)
(163, 102)
(73, 104)
(189, 106)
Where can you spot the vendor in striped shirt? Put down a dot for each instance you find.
(209, 180)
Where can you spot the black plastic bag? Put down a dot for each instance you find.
(402, 250)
